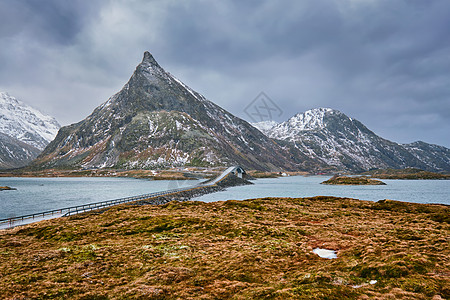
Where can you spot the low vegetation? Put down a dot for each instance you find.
(409, 173)
(254, 249)
(359, 180)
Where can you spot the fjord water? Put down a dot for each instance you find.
(35, 195)
(417, 191)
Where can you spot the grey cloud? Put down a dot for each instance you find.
(383, 62)
(52, 21)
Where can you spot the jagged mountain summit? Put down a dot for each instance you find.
(158, 121)
(25, 123)
(330, 136)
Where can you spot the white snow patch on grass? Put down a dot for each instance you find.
(372, 282)
(325, 253)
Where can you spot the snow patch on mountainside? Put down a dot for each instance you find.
(191, 91)
(265, 126)
(25, 123)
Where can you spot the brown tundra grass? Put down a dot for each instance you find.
(254, 249)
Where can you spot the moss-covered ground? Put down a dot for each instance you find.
(254, 249)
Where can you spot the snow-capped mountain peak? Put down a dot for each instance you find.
(311, 119)
(25, 123)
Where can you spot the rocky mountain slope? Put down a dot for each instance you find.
(330, 136)
(24, 132)
(14, 153)
(157, 121)
(25, 123)
(434, 156)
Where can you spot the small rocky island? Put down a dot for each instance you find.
(345, 180)
(6, 188)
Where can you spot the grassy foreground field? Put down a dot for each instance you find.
(254, 249)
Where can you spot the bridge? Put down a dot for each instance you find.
(68, 211)
(235, 170)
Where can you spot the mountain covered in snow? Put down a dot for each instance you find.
(24, 132)
(157, 121)
(25, 123)
(329, 136)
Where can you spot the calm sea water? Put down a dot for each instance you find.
(418, 191)
(35, 195)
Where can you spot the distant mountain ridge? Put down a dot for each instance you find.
(435, 156)
(332, 137)
(15, 153)
(25, 123)
(158, 121)
(24, 132)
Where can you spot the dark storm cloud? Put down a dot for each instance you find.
(248, 32)
(32, 31)
(51, 21)
(37, 57)
(383, 62)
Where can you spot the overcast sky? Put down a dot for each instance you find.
(383, 62)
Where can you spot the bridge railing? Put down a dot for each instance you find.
(67, 211)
